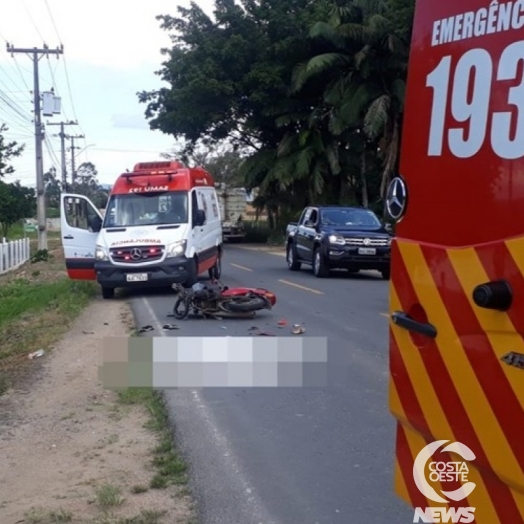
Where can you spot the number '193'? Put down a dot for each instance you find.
(476, 64)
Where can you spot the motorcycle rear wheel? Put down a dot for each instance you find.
(181, 308)
(246, 305)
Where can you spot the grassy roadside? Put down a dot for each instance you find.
(169, 465)
(38, 302)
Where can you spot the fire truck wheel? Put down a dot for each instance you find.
(108, 292)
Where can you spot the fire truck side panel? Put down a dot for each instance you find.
(462, 163)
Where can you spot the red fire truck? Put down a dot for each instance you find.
(457, 283)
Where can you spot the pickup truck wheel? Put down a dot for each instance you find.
(291, 258)
(108, 292)
(320, 268)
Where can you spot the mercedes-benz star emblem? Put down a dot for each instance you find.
(367, 241)
(136, 253)
(396, 198)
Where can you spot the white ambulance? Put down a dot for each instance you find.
(161, 226)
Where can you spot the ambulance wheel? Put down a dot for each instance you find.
(386, 274)
(192, 277)
(216, 271)
(108, 292)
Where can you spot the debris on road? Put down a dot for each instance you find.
(145, 329)
(88, 332)
(170, 327)
(282, 322)
(36, 354)
(255, 330)
(298, 329)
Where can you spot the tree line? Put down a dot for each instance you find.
(307, 93)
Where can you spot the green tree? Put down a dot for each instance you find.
(222, 161)
(52, 188)
(311, 92)
(8, 151)
(366, 65)
(17, 202)
(87, 184)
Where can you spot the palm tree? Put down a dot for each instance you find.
(365, 66)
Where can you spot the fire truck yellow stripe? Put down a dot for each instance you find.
(425, 393)
(477, 406)
(497, 325)
(400, 485)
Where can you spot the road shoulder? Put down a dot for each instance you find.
(72, 452)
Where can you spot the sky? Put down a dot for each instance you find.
(111, 52)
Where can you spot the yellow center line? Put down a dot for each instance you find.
(241, 267)
(316, 291)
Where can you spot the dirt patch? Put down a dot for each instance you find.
(72, 452)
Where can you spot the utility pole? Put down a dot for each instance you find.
(36, 53)
(73, 147)
(63, 151)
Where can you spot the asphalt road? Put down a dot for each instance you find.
(292, 455)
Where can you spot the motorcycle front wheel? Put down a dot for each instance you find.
(181, 308)
(245, 305)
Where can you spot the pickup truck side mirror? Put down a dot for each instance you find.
(200, 217)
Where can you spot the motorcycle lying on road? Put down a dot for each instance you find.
(216, 300)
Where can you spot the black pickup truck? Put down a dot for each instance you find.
(335, 237)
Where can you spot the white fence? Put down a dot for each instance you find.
(13, 254)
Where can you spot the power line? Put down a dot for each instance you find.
(36, 54)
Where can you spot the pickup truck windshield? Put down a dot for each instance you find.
(147, 209)
(342, 217)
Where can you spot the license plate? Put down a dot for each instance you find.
(136, 277)
(367, 251)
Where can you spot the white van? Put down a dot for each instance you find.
(162, 226)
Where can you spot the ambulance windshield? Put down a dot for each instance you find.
(147, 209)
(350, 218)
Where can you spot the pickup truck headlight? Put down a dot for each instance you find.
(176, 249)
(100, 253)
(337, 239)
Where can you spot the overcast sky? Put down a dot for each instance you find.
(111, 51)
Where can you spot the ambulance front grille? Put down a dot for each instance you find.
(137, 254)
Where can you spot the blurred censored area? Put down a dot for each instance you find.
(198, 362)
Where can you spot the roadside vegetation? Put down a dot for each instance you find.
(309, 95)
(38, 302)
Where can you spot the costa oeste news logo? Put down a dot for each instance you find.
(443, 472)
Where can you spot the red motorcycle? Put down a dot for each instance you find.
(213, 299)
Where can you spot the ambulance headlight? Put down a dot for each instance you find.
(101, 254)
(336, 239)
(176, 249)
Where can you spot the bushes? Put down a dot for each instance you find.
(257, 233)
(261, 233)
